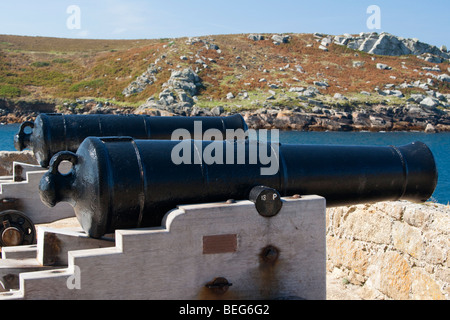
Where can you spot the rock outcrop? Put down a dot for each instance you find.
(20, 111)
(144, 80)
(178, 93)
(255, 37)
(280, 38)
(378, 118)
(390, 45)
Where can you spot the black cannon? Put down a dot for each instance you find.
(120, 183)
(54, 132)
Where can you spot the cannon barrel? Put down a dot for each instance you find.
(52, 132)
(120, 183)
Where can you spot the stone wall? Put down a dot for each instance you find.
(7, 158)
(391, 250)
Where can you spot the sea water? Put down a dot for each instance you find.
(7, 133)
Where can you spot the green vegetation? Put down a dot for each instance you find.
(61, 60)
(40, 64)
(87, 85)
(7, 91)
(120, 103)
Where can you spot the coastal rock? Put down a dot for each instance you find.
(186, 80)
(299, 68)
(212, 46)
(417, 97)
(217, 111)
(434, 69)
(308, 93)
(141, 82)
(296, 89)
(420, 112)
(430, 128)
(255, 37)
(177, 93)
(429, 102)
(397, 93)
(444, 77)
(383, 66)
(331, 123)
(278, 38)
(326, 41)
(390, 45)
(193, 40)
(321, 84)
(358, 64)
(341, 39)
(339, 96)
(386, 44)
(289, 121)
(430, 58)
(320, 117)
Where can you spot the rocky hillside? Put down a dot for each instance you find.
(368, 81)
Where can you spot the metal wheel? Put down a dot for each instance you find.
(16, 229)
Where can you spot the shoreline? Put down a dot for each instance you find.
(410, 118)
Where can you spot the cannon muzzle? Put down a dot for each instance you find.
(52, 132)
(120, 183)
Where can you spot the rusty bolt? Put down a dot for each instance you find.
(270, 254)
(12, 236)
(296, 196)
(229, 201)
(219, 285)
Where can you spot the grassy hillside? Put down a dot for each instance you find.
(60, 70)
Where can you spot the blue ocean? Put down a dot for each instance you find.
(439, 143)
(7, 133)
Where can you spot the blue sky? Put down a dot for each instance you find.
(139, 19)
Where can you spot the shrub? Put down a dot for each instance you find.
(61, 60)
(7, 91)
(40, 64)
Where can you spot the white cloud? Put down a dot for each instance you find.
(83, 33)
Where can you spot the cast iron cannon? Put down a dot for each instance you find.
(120, 183)
(53, 132)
